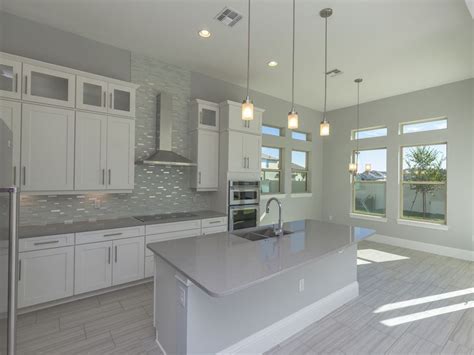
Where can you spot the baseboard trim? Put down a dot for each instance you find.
(426, 247)
(274, 334)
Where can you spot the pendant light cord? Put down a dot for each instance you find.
(248, 53)
(325, 66)
(293, 64)
(358, 121)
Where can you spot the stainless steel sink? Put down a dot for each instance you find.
(259, 233)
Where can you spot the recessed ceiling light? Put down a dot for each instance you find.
(272, 64)
(204, 33)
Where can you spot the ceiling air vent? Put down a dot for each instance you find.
(228, 17)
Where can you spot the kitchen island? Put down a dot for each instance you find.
(223, 293)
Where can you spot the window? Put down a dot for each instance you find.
(299, 171)
(271, 170)
(300, 136)
(368, 185)
(423, 185)
(369, 133)
(271, 131)
(423, 126)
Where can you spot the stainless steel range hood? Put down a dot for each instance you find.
(164, 124)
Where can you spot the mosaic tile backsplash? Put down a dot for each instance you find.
(158, 189)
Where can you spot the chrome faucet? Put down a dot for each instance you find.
(278, 230)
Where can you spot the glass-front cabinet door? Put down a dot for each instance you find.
(91, 94)
(209, 117)
(10, 78)
(48, 86)
(121, 100)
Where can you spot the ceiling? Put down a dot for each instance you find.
(397, 46)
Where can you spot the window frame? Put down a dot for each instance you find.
(353, 182)
(308, 136)
(402, 183)
(426, 120)
(280, 129)
(306, 170)
(280, 171)
(355, 131)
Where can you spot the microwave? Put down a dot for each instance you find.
(244, 192)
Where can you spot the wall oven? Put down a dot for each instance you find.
(244, 204)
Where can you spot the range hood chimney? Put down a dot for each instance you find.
(164, 124)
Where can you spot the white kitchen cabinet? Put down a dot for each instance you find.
(244, 152)
(93, 265)
(204, 115)
(91, 151)
(205, 153)
(47, 148)
(231, 118)
(10, 78)
(45, 275)
(129, 260)
(252, 148)
(48, 86)
(91, 94)
(120, 153)
(121, 100)
(10, 114)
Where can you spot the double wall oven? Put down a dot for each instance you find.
(244, 204)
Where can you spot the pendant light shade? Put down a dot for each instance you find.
(247, 104)
(324, 127)
(293, 115)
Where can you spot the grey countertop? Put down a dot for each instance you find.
(223, 263)
(87, 226)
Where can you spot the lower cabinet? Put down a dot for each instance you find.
(45, 275)
(104, 264)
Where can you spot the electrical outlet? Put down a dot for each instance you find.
(97, 203)
(301, 285)
(182, 296)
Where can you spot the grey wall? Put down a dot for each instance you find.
(452, 100)
(41, 42)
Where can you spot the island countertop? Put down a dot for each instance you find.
(224, 263)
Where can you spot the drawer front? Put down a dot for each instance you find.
(171, 235)
(212, 222)
(212, 230)
(109, 234)
(46, 242)
(149, 266)
(172, 227)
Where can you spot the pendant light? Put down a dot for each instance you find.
(247, 104)
(324, 127)
(354, 164)
(293, 115)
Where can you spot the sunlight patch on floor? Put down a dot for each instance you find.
(427, 314)
(362, 262)
(421, 300)
(378, 256)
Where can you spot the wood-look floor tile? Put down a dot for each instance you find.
(411, 344)
(74, 307)
(87, 316)
(39, 330)
(46, 344)
(115, 321)
(123, 294)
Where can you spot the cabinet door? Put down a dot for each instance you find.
(93, 265)
(120, 153)
(91, 94)
(90, 152)
(237, 162)
(208, 116)
(236, 122)
(10, 79)
(47, 149)
(10, 114)
(255, 126)
(208, 160)
(121, 100)
(48, 86)
(252, 152)
(45, 275)
(129, 260)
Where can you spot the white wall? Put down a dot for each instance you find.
(453, 101)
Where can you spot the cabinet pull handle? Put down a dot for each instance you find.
(200, 117)
(26, 84)
(214, 222)
(115, 254)
(14, 175)
(24, 175)
(248, 163)
(112, 234)
(103, 176)
(109, 256)
(199, 178)
(44, 243)
(19, 270)
(105, 99)
(16, 82)
(110, 103)
(110, 176)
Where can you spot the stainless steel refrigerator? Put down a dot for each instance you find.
(8, 243)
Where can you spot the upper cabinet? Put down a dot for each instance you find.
(10, 114)
(48, 86)
(91, 94)
(205, 115)
(10, 78)
(121, 100)
(231, 113)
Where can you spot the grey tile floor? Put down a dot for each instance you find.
(410, 303)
